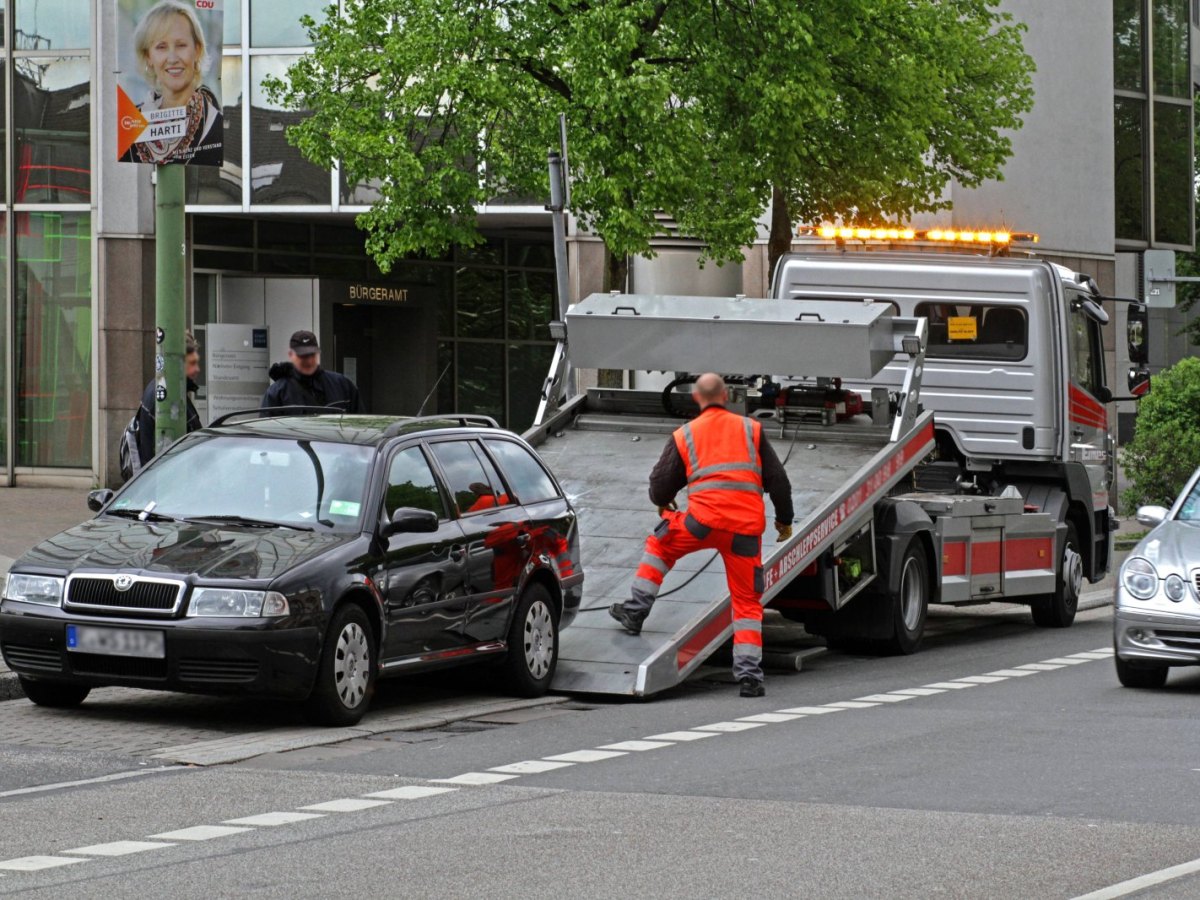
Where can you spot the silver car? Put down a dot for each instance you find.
(1156, 622)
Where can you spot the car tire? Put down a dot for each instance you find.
(1058, 610)
(910, 603)
(532, 643)
(346, 674)
(1140, 675)
(54, 694)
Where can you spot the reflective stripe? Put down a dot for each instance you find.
(747, 651)
(645, 587)
(751, 452)
(725, 467)
(726, 486)
(649, 559)
(690, 443)
(747, 624)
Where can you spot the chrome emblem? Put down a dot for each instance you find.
(123, 582)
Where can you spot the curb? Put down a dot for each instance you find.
(10, 687)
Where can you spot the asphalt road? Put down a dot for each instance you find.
(934, 778)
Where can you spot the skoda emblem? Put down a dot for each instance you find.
(123, 582)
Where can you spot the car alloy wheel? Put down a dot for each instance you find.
(539, 639)
(352, 665)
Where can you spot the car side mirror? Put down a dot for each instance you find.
(408, 520)
(1152, 516)
(97, 500)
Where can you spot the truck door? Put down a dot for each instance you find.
(1087, 417)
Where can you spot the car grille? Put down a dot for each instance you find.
(117, 666)
(218, 671)
(99, 593)
(44, 659)
(1179, 640)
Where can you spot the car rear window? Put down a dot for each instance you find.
(525, 474)
(972, 330)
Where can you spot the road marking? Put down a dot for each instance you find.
(530, 767)
(919, 692)
(585, 756)
(37, 863)
(811, 710)
(1092, 654)
(200, 833)
(118, 848)
(729, 727)
(475, 778)
(772, 718)
(637, 746)
(1107, 651)
(1041, 667)
(411, 792)
(1013, 673)
(272, 819)
(851, 704)
(1133, 885)
(682, 736)
(1066, 661)
(347, 804)
(981, 679)
(116, 776)
(883, 698)
(952, 685)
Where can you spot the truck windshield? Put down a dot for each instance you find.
(308, 484)
(974, 330)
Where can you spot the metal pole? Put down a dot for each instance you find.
(170, 252)
(558, 218)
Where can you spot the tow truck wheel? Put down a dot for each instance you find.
(346, 676)
(1057, 610)
(54, 694)
(532, 643)
(911, 601)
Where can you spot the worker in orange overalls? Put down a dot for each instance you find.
(726, 463)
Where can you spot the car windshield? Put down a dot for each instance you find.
(297, 483)
(1189, 511)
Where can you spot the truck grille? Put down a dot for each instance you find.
(44, 659)
(218, 671)
(145, 595)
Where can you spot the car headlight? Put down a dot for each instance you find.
(1175, 588)
(34, 589)
(237, 604)
(1140, 578)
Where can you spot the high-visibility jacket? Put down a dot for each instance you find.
(724, 470)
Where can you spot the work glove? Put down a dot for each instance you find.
(783, 532)
(670, 507)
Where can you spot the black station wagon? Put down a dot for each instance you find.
(303, 557)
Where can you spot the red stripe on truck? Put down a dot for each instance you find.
(1023, 554)
(989, 557)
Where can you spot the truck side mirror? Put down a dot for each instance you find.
(1137, 327)
(1139, 381)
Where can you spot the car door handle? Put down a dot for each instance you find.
(457, 552)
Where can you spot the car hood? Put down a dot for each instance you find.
(1174, 546)
(181, 548)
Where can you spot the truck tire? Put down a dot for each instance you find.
(910, 603)
(1134, 675)
(346, 674)
(1057, 610)
(532, 643)
(54, 694)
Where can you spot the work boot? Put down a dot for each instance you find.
(752, 688)
(630, 622)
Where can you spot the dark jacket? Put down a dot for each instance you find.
(145, 420)
(669, 477)
(321, 388)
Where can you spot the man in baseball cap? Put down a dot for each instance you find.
(302, 382)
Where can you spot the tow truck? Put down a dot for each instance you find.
(941, 417)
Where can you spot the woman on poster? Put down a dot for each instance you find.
(172, 51)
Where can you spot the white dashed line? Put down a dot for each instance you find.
(952, 685)
(272, 819)
(1013, 673)
(1066, 661)
(1041, 667)
(682, 736)
(530, 767)
(1092, 654)
(475, 778)
(851, 704)
(411, 792)
(585, 756)
(199, 833)
(919, 692)
(637, 746)
(812, 710)
(981, 679)
(729, 727)
(772, 718)
(118, 848)
(348, 804)
(883, 698)
(37, 863)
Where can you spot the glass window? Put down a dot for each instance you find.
(528, 366)
(525, 474)
(3, 346)
(52, 119)
(210, 184)
(54, 339)
(480, 380)
(973, 330)
(1127, 44)
(1085, 359)
(446, 377)
(1172, 173)
(480, 297)
(53, 25)
(276, 23)
(1129, 168)
(472, 489)
(232, 11)
(411, 483)
(1172, 60)
(531, 305)
(279, 173)
(364, 193)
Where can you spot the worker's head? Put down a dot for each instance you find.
(304, 352)
(709, 390)
(191, 356)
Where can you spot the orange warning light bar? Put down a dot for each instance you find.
(895, 233)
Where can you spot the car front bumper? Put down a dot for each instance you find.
(207, 656)
(1156, 636)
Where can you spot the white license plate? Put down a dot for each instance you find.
(116, 641)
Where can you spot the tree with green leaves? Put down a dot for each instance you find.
(1165, 449)
(707, 112)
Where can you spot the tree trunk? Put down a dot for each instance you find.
(780, 241)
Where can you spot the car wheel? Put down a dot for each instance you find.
(532, 643)
(54, 694)
(910, 605)
(1057, 610)
(1140, 675)
(346, 675)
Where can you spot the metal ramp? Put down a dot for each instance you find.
(603, 463)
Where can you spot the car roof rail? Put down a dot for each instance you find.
(464, 421)
(270, 412)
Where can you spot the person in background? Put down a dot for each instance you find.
(302, 382)
(145, 413)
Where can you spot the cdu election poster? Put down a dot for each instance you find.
(169, 82)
